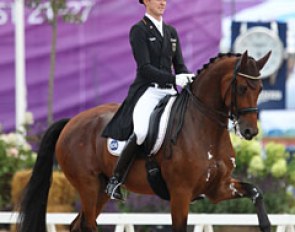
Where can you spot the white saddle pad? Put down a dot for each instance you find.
(115, 147)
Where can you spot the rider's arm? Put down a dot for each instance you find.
(178, 62)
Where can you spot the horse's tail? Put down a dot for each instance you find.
(32, 217)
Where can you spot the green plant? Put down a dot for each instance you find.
(15, 154)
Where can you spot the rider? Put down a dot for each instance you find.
(156, 49)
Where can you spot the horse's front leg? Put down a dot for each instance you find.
(236, 189)
(255, 194)
(179, 202)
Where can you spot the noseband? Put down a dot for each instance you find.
(235, 112)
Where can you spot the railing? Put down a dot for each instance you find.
(125, 222)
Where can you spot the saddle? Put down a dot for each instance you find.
(157, 130)
(167, 118)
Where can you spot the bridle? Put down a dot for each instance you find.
(235, 112)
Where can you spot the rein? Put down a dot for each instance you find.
(235, 112)
(213, 114)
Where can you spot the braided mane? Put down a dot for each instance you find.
(214, 59)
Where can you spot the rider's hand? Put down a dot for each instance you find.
(183, 79)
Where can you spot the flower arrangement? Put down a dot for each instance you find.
(15, 154)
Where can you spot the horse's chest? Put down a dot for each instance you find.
(215, 171)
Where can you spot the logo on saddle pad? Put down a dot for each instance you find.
(115, 147)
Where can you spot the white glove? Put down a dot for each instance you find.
(183, 79)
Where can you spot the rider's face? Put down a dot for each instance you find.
(155, 8)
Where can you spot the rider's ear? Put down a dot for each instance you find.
(260, 63)
(244, 60)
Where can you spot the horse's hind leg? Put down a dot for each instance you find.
(235, 189)
(93, 199)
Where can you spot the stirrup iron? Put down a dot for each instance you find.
(114, 191)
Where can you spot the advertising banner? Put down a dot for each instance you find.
(94, 63)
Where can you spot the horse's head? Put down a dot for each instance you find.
(240, 92)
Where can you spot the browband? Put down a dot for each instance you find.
(249, 76)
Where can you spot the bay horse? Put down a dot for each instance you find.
(201, 163)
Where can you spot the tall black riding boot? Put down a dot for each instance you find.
(121, 170)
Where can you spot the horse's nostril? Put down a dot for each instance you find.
(249, 133)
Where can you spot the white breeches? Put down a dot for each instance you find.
(144, 108)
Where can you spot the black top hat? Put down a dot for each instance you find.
(141, 1)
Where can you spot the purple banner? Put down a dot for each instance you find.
(94, 58)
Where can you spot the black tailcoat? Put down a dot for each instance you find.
(156, 57)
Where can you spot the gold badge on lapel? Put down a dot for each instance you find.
(173, 42)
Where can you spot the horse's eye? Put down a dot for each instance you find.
(242, 89)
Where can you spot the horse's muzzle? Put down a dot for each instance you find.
(248, 132)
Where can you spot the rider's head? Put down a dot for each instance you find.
(155, 8)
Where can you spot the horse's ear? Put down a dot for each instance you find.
(244, 60)
(261, 62)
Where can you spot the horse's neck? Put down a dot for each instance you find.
(208, 103)
(208, 90)
(206, 139)
(208, 86)
(204, 125)
(207, 135)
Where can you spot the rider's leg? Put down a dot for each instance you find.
(144, 108)
(141, 116)
(124, 163)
